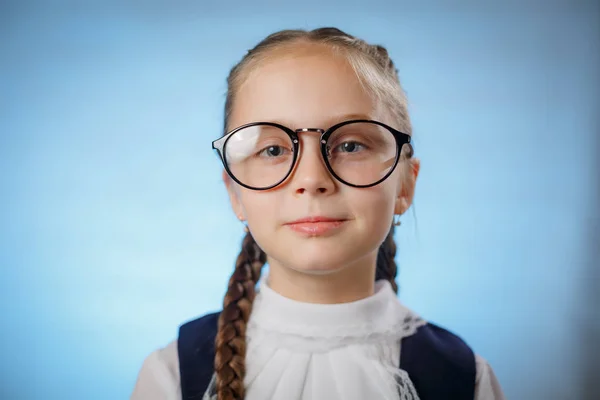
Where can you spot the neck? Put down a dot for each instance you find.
(344, 285)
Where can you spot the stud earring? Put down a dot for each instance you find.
(246, 230)
(397, 221)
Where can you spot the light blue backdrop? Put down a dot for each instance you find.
(115, 227)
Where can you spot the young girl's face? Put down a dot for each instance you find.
(307, 86)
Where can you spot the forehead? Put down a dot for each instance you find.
(302, 86)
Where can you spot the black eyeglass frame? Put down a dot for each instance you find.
(401, 139)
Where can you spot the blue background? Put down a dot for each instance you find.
(115, 226)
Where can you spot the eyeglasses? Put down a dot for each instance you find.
(358, 153)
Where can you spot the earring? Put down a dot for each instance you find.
(245, 224)
(397, 221)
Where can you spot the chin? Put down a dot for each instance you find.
(321, 260)
(318, 269)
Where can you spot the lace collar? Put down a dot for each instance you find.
(376, 317)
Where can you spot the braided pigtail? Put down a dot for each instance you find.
(386, 264)
(230, 342)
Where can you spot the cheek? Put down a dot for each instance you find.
(374, 207)
(258, 207)
(263, 218)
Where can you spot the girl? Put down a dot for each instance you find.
(318, 163)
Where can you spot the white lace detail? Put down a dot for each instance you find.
(322, 327)
(211, 390)
(349, 351)
(406, 389)
(312, 341)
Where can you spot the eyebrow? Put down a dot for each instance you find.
(348, 117)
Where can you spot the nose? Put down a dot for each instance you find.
(311, 175)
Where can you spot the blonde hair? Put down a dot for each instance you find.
(371, 63)
(379, 77)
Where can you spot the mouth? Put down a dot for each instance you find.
(316, 226)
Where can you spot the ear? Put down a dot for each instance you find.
(234, 196)
(408, 182)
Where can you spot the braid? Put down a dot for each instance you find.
(386, 264)
(230, 342)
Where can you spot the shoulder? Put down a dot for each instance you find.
(198, 332)
(184, 366)
(487, 386)
(197, 338)
(207, 319)
(439, 363)
(433, 341)
(196, 350)
(159, 375)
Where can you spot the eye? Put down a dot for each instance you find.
(273, 151)
(349, 147)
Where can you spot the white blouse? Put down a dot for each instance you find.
(302, 351)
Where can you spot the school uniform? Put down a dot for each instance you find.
(373, 348)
